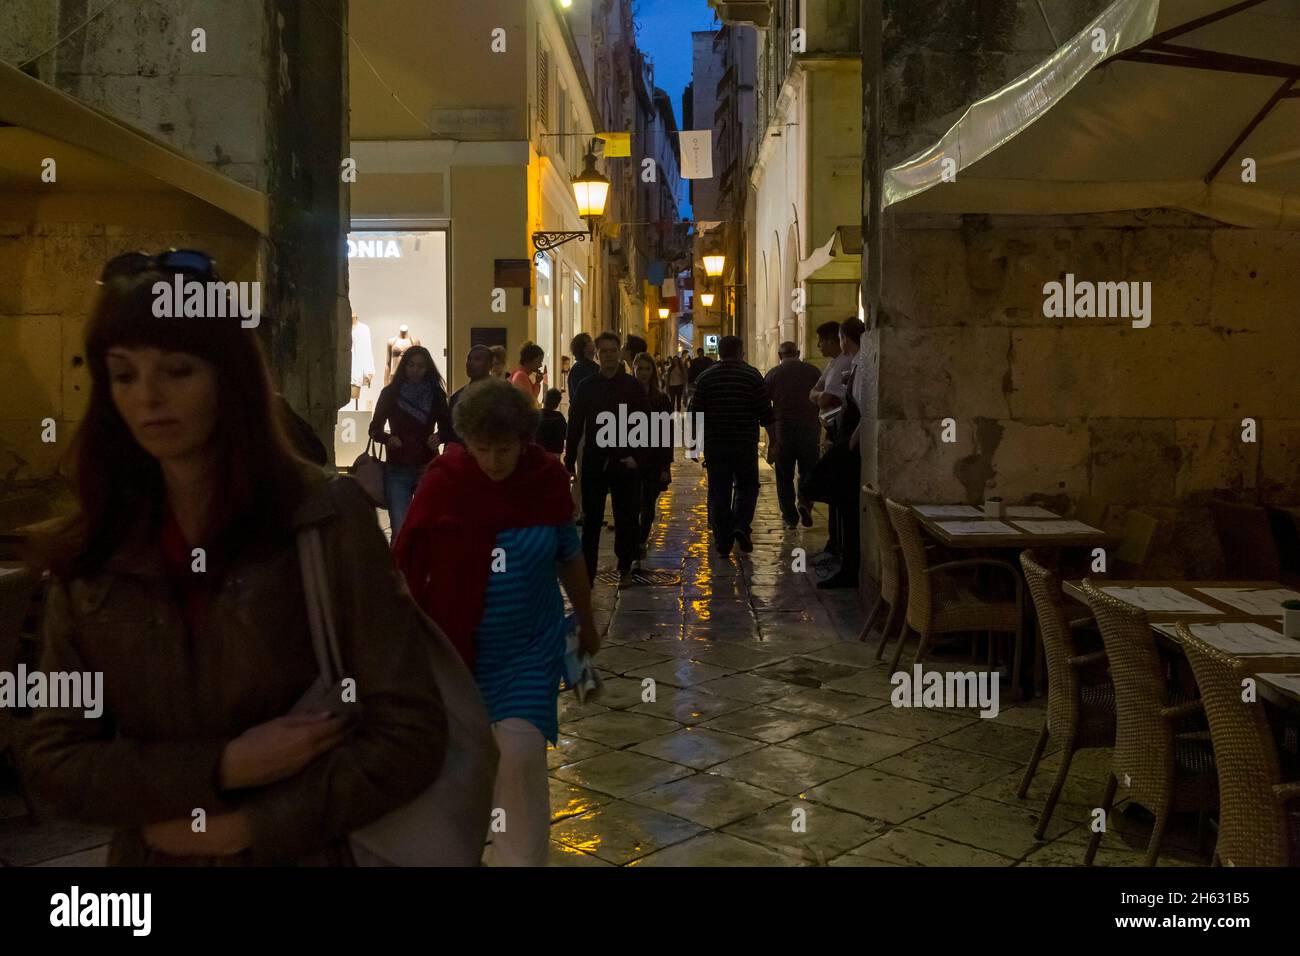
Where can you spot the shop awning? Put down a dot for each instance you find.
(97, 154)
(838, 260)
(1164, 107)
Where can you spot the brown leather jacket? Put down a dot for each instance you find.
(172, 702)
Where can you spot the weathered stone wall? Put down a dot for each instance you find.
(266, 105)
(1057, 410)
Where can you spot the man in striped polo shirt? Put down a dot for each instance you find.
(734, 402)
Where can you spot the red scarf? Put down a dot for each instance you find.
(445, 546)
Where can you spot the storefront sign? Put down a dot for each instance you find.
(374, 249)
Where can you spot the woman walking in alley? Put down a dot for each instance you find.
(676, 381)
(414, 407)
(656, 469)
(178, 580)
(489, 530)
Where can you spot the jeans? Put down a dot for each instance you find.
(796, 445)
(399, 488)
(623, 484)
(733, 490)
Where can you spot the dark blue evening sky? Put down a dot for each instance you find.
(664, 35)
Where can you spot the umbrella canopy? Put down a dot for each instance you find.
(1193, 104)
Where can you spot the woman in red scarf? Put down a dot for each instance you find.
(490, 528)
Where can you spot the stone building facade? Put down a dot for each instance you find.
(258, 98)
(1060, 410)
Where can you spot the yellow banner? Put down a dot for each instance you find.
(616, 144)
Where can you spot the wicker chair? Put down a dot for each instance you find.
(1259, 813)
(1080, 696)
(939, 604)
(892, 587)
(1167, 765)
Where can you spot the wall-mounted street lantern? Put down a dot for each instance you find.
(706, 299)
(591, 192)
(714, 264)
(664, 313)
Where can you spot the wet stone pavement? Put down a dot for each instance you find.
(770, 739)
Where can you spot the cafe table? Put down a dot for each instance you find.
(1020, 527)
(1169, 603)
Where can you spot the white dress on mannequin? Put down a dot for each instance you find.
(363, 354)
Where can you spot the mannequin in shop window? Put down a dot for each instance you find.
(397, 347)
(363, 359)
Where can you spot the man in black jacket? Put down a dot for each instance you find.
(597, 414)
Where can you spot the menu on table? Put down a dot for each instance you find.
(949, 511)
(1263, 602)
(976, 527)
(1029, 511)
(1057, 527)
(1240, 639)
(1170, 600)
(1287, 683)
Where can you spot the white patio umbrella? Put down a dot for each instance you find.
(1192, 104)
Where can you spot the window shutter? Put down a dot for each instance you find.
(543, 88)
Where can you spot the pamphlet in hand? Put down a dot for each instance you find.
(579, 674)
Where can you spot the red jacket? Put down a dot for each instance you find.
(445, 546)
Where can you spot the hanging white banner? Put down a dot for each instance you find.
(697, 153)
(669, 288)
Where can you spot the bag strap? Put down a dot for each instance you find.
(320, 613)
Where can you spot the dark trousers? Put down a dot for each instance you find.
(650, 492)
(623, 484)
(796, 447)
(675, 393)
(835, 479)
(733, 490)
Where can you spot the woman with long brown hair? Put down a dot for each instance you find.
(414, 408)
(178, 579)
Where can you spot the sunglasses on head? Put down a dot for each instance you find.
(185, 261)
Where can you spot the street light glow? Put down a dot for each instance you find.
(591, 190)
(664, 313)
(714, 264)
(706, 299)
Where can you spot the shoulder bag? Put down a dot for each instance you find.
(447, 824)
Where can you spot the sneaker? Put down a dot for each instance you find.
(805, 516)
(625, 578)
(788, 524)
(745, 542)
(723, 549)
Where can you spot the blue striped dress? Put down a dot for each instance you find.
(519, 643)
